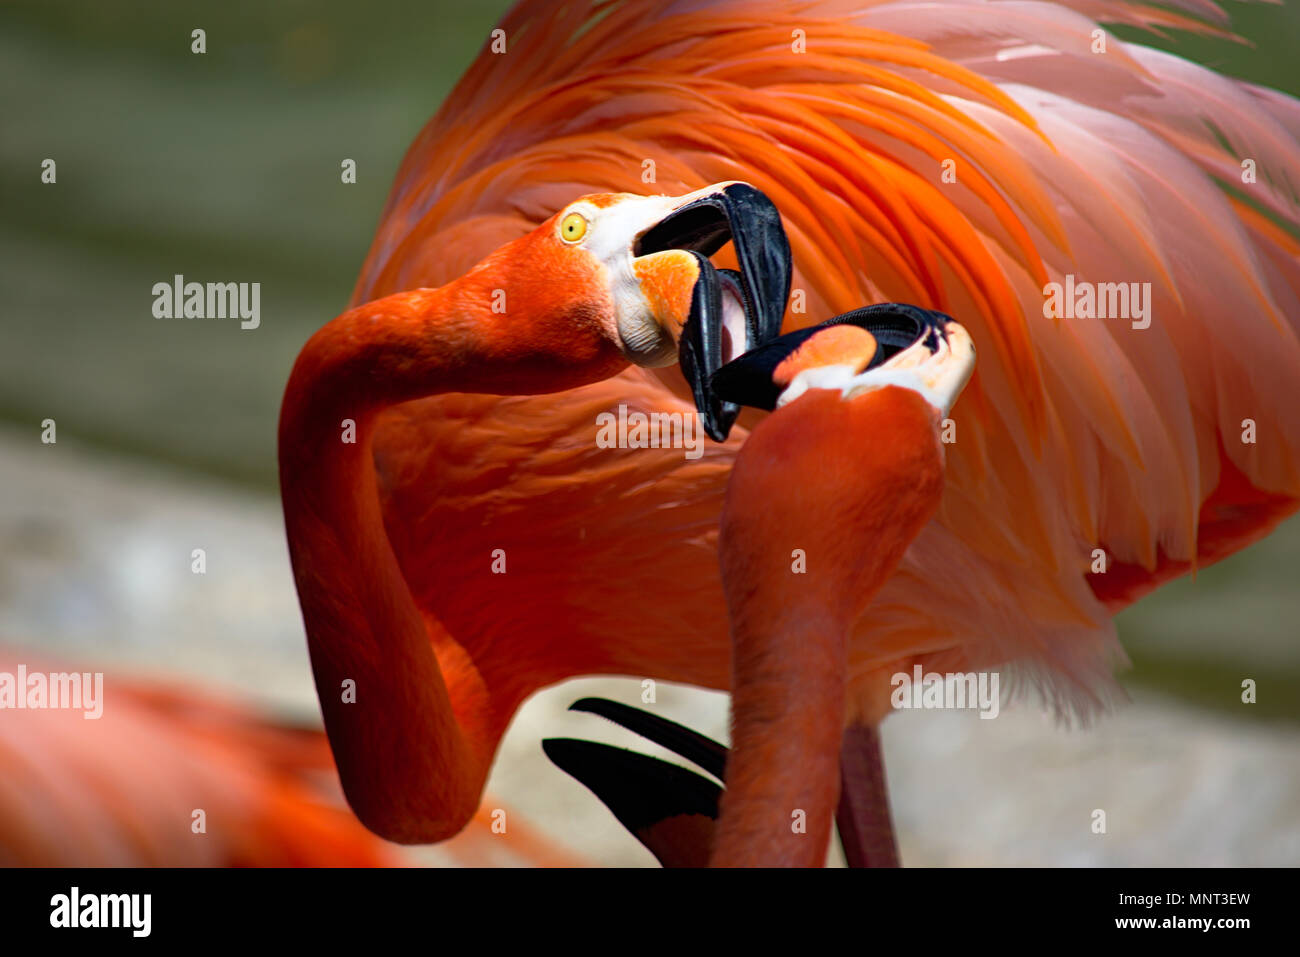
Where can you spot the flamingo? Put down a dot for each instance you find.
(608, 280)
(850, 469)
(123, 789)
(964, 157)
(855, 509)
(126, 788)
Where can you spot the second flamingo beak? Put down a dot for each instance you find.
(717, 314)
(897, 343)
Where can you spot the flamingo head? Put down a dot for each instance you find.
(639, 267)
(854, 353)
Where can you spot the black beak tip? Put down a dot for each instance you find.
(719, 419)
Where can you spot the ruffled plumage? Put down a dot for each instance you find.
(1115, 166)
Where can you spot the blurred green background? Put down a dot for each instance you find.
(226, 167)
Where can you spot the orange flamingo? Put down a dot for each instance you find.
(960, 156)
(610, 279)
(844, 476)
(123, 789)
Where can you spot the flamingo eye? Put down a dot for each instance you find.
(573, 227)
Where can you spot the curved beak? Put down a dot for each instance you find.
(918, 348)
(716, 314)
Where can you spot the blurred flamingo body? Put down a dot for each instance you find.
(1075, 435)
(121, 790)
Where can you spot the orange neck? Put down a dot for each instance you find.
(843, 487)
(412, 760)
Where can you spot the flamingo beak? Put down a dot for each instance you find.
(718, 313)
(906, 338)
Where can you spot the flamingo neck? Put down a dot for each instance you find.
(413, 756)
(823, 501)
(787, 720)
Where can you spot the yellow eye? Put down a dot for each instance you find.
(573, 227)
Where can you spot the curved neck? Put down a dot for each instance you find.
(822, 503)
(381, 691)
(412, 756)
(787, 705)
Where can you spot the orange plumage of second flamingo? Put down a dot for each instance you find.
(1075, 435)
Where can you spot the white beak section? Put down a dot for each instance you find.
(938, 374)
